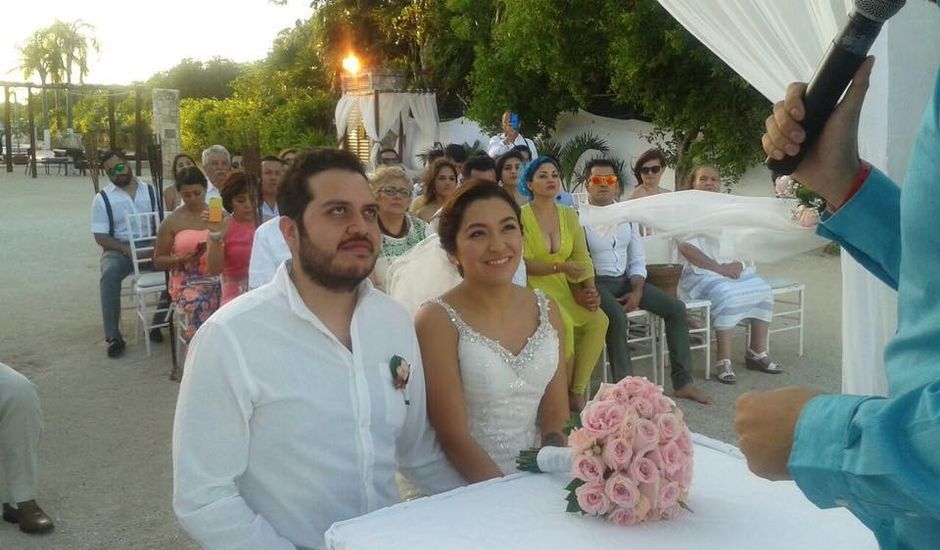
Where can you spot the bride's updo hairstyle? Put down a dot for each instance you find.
(452, 213)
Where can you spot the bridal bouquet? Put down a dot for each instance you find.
(631, 456)
(809, 204)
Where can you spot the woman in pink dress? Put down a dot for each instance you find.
(180, 248)
(230, 240)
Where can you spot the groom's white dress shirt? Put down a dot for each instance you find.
(280, 430)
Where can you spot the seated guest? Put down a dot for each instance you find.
(498, 382)
(170, 199)
(508, 167)
(557, 263)
(510, 137)
(648, 170)
(216, 164)
(388, 157)
(400, 230)
(287, 156)
(180, 248)
(457, 154)
(440, 181)
(272, 169)
(230, 240)
(479, 167)
(736, 292)
(620, 276)
(526, 153)
(125, 194)
(236, 162)
(20, 428)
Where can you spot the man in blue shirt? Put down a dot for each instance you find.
(879, 457)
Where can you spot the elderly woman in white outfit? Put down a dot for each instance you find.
(736, 292)
(20, 428)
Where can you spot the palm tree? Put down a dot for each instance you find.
(569, 155)
(71, 44)
(37, 58)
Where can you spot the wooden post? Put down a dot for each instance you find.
(401, 139)
(112, 124)
(8, 128)
(138, 134)
(32, 131)
(376, 125)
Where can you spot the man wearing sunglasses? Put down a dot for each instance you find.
(620, 267)
(125, 195)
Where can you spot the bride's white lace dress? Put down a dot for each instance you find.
(502, 390)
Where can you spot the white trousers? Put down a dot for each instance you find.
(20, 429)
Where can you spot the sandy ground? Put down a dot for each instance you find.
(105, 457)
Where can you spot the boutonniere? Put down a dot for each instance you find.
(401, 371)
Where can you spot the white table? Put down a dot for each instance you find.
(733, 510)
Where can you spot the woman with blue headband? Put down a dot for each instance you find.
(557, 262)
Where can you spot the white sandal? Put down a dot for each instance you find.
(761, 362)
(725, 374)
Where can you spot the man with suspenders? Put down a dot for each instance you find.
(126, 194)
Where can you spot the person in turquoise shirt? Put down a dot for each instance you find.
(879, 457)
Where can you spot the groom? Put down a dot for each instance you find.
(297, 405)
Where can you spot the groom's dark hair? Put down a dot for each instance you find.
(295, 192)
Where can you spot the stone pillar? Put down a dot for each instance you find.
(166, 125)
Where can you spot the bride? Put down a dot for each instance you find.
(491, 349)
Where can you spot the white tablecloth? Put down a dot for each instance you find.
(733, 510)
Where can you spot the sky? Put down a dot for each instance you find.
(138, 39)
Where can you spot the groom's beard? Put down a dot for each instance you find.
(320, 265)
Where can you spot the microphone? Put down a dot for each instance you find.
(843, 58)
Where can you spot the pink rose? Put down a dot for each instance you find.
(647, 435)
(622, 491)
(580, 441)
(672, 457)
(809, 217)
(652, 391)
(651, 492)
(636, 386)
(782, 186)
(662, 404)
(643, 470)
(669, 427)
(588, 467)
(642, 406)
(617, 453)
(684, 442)
(642, 508)
(668, 495)
(612, 392)
(592, 499)
(623, 517)
(602, 418)
(628, 426)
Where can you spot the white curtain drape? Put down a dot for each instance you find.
(749, 229)
(772, 43)
(344, 108)
(424, 112)
(392, 107)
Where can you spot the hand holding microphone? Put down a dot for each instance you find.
(811, 134)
